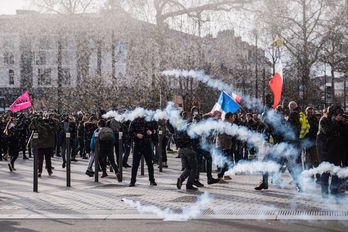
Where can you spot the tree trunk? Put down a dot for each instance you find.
(306, 86)
(59, 89)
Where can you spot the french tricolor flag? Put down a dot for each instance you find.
(276, 83)
(227, 103)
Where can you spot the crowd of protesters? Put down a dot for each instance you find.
(318, 137)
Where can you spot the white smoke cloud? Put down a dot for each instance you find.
(326, 167)
(205, 128)
(254, 167)
(167, 214)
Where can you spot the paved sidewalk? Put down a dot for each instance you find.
(89, 200)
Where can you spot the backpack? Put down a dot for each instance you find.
(105, 134)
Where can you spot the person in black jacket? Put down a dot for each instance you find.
(80, 137)
(278, 137)
(22, 127)
(127, 142)
(67, 125)
(89, 127)
(294, 161)
(11, 131)
(141, 132)
(330, 147)
(189, 161)
(3, 139)
(312, 159)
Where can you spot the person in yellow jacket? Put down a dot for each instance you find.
(304, 125)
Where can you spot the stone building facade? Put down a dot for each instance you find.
(46, 53)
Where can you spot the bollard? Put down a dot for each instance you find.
(35, 181)
(120, 153)
(159, 150)
(68, 161)
(96, 156)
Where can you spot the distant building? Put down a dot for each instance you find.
(323, 83)
(44, 52)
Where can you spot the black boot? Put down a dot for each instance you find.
(198, 184)
(263, 185)
(191, 188)
(213, 181)
(179, 183)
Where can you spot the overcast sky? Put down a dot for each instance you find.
(10, 6)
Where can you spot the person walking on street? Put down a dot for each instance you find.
(141, 132)
(106, 141)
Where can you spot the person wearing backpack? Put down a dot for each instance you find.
(107, 140)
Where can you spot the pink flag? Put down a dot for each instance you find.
(23, 102)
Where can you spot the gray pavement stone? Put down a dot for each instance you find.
(86, 199)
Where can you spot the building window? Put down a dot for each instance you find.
(8, 58)
(41, 58)
(66, 77)
(44, 77)
(120, 70)
(11, 77)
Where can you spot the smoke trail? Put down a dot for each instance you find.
(271, 117)
(170, 113)
(326, 167)
(251, 167)
(167, 214)
(255, 139)
(204, 129)
(216, 84)
(130, 115)
(254, 167)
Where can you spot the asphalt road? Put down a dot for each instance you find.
(157, 225)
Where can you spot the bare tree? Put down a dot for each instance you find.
(300, 23)
(65, 6)
(161, 11)
(333, 51)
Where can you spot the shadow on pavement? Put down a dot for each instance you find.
(10, 226)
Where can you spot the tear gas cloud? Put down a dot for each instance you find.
(167, 214)
(254, 167)
(326, 167)
(270, 116)
(206, 127)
